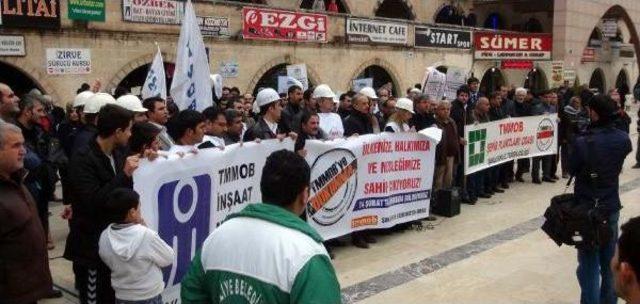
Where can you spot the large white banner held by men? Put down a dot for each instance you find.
(500, 141)
(184, 199)
(369, 182)
(191, 86)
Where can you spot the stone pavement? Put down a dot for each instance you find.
(493, 252)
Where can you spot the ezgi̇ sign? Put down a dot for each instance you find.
(32, 13)
(368, 31)
(426, 36)
(515, 46)
(89, 10)
(156, 11)
(269, 24)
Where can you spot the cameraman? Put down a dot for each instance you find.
(601, 151)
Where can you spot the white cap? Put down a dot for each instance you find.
(369, 92)
(294, 82)
(81, 98)
(97, 101)
(415, 90)
(323, 91)
(131, 103)
(216, 82)
(405, 104)
(267, 96)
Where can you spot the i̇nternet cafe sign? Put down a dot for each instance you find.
(514, 46)
(269, 24)
(372, 31)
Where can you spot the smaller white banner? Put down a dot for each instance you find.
(12, 45)
(359, 84)
(456, 77)
(493, 143)
(434, 83)
(299, 72)
(68, 61)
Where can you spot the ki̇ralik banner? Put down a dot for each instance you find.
(184, 199)
(500, 141)
(370, 181)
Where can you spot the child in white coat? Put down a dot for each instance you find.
(134, 253)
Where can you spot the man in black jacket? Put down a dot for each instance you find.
(290, 114)
(268, 125)
(460, 110)
(423, 118)
(359, 121)
(95, 171)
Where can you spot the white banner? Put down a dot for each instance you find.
(500, 141)
(68, 61)
(434, 83)
(156, 12)
(369, 182)
(456, 77)
(299, 72)
(368, 31)
(156, 82)
(191, 86)
(359, 84)
(184, 199)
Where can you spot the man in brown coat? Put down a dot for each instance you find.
(24, 264)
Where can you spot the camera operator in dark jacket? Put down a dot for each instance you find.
(596, 163)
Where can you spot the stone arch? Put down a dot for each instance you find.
(283, 59)
(406, 5)
(134, 64)
(440, 15)
(623, 78)
(391, 70)
(532, 78)
(37, 76)
(344, 3)
(598, 80)
(617, 11)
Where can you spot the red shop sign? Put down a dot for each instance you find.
(268, 24)
(516, 65)
(512, 46)
(589, 54)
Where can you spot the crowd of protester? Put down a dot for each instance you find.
(93, 146)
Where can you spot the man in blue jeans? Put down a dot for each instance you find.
(596, 164)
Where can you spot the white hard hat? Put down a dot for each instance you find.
(294, 82)
(81, 98)
(131, 103)
(97, 101)
(405, 104)
(216, 82)
(369, 92)
(267, 96)
(415, 90)
(323, 91)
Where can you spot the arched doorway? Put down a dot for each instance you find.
(396, 9)
(494, 21)
(595, 39)
(18, 80)
(622, 83)
(597, 81)
(491, 81)
(380, 77)
(342, 7)
(536, 81)
(270, 78)
(134, 81)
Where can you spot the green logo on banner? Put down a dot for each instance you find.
(88, 10)
(476, 145)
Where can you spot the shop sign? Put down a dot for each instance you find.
(31, 14)
(557, 73)
(609, 28)
(269, 24)
(68, 61)
(156, 11)
(512, 46)
(12, 45)
(427, 36)
(570, 76)
(373, 31)
(88, 10)
(589, 54)
(217, 27)
(516, 65)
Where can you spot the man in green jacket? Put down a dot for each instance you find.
(266, 253)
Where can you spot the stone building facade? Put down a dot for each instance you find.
(119, 48)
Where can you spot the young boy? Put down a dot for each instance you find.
(133, 252)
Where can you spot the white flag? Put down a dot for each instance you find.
(191, 86)
(155, 84)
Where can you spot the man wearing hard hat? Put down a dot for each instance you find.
(133, 104)
(270, 108)
(330, 122)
